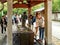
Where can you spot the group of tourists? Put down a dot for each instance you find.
(37, 21)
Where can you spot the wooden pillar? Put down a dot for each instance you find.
(9, 25)
(29, 12)
(48, 22)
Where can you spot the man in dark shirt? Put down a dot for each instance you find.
(24, 18)
(3, 24)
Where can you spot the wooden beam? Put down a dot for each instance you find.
(35, 0)
(35, 3)
(22, 0)
(17, 5)
(30, 3)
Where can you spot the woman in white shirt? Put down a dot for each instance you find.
(40, 25)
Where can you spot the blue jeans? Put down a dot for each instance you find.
(41, 32)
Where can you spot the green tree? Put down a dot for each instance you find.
(55, 5)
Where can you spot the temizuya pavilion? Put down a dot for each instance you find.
(29, 4)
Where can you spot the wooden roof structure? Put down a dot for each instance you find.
(24, 3)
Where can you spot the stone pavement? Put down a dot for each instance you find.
(55, 40)
(2, 36)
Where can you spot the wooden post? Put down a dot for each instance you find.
(29, 12)
(9, 25)
(48, 22)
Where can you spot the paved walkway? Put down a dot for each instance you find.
(2, 37)
(55, 41)
(56, 32)
(56, 29)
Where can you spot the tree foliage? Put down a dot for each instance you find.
(56, 5)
